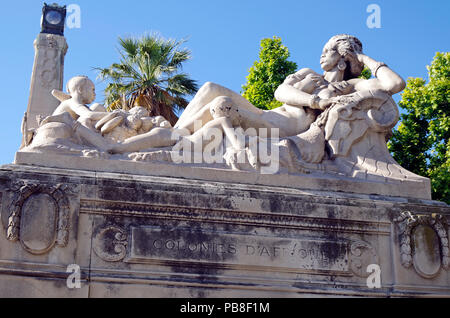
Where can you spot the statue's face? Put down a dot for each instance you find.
(329, 59)
(89, 92)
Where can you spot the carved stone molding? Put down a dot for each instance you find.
(285, 220)
(39, 216)
(110, 244)
(424, 243)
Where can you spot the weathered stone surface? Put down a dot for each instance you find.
(140, 236)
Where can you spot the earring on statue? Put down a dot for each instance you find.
(342, 65)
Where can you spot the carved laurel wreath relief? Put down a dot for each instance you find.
(424, 243)
(39, 217)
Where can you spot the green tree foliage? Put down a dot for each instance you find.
(366, 73)
(268, 73)
(149, 75)
(421, 142)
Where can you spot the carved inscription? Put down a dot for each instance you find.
(150, 245)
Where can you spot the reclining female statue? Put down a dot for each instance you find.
(305, 94)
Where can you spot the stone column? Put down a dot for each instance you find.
(48, 73)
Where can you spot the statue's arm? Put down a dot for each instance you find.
(288, 94)
(85, 112)
(385, 78)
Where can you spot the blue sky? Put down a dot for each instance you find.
(224, 38)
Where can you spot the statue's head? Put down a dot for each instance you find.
(82, 86)
(341, 52)
(223, 106)
(135, 118)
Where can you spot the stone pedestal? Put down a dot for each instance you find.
(48, 73)
(141, 236)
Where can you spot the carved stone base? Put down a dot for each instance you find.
(409, 186)
(140, 236)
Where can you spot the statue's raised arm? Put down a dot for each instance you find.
(385, 78)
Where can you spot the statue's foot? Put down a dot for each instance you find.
(118, 148)
(311, 144)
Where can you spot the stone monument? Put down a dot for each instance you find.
(303, 200)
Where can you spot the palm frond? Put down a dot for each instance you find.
(181, 84)
(179, 57)
(129, 46)
(149, 73)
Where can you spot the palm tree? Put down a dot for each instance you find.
(149, 75)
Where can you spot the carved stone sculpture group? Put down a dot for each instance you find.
(335, 123)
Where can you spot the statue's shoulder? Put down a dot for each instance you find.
(305, 72)
(299, 76)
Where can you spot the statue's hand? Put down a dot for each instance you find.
(361, 58)
(317, 79)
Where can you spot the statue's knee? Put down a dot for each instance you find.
(209, 88)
